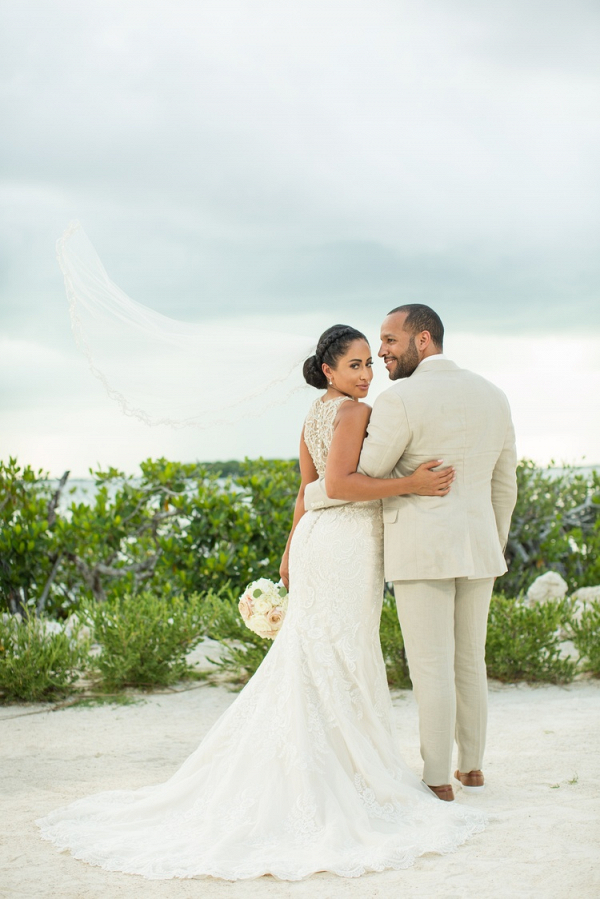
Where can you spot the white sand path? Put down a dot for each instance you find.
(543, 790)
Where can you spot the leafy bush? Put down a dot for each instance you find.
(29, 552)
(586, 637)
(39, 661)
(183, 529)
(392, 644)
(555, 526)
(231, 530)
(143, 639)
(179, 528)
(523, 643)
(186, 528)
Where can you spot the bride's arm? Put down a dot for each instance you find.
(342, 481)
(308, 474)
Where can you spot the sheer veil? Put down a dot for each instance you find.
(169, 372)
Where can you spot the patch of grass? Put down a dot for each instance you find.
(195, 674)
(89, 702)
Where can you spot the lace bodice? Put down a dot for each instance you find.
(318, 430)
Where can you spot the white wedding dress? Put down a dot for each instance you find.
(301, 774)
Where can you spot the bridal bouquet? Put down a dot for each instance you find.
(263, 605)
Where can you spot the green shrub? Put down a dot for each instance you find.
(586, 637)
(180, 528)
(523, 643)
(233, 530)
(555, 526)
(144, 639)
(38, 664)
(29, 550)
(392, 645)
(189, 528)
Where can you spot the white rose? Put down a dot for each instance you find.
(263, 584)
(262, 605)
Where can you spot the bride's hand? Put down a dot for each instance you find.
(284, 570)
(426, 482)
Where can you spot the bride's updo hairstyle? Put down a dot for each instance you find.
(332, 344)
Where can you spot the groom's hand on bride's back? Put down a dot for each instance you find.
(427, 482)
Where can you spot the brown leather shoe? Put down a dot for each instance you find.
(472, 782)
(444, 792)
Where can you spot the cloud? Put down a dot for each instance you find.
(57, 416)
(277, 160)
(263, 155)
(551, 383)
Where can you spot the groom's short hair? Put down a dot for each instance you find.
(422, 318)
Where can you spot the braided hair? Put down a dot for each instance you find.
(332, 344)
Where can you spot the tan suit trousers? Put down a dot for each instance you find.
(444, 624)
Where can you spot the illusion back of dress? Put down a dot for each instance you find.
(318, 430)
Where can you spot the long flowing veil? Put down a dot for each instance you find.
(169, 372)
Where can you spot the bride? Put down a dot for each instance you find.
(301, 774)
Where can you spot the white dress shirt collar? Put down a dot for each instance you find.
(432, 358)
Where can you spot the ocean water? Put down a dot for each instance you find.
(83, 490)
(76, 490)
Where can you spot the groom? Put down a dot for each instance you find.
(442, 553)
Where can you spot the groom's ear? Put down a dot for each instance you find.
(423, 340)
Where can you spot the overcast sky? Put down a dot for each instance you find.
(301, 163)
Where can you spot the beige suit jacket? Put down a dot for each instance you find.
(442, 412)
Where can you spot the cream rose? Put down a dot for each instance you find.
(245, 607)
(275, 618)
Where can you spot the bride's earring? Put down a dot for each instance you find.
(330, 383)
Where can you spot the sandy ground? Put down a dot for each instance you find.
(543, 791)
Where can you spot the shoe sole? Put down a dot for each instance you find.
(468, 789)
(433, 793)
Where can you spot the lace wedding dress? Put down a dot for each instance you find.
(301, 774)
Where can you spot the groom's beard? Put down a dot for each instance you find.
(406, 363)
